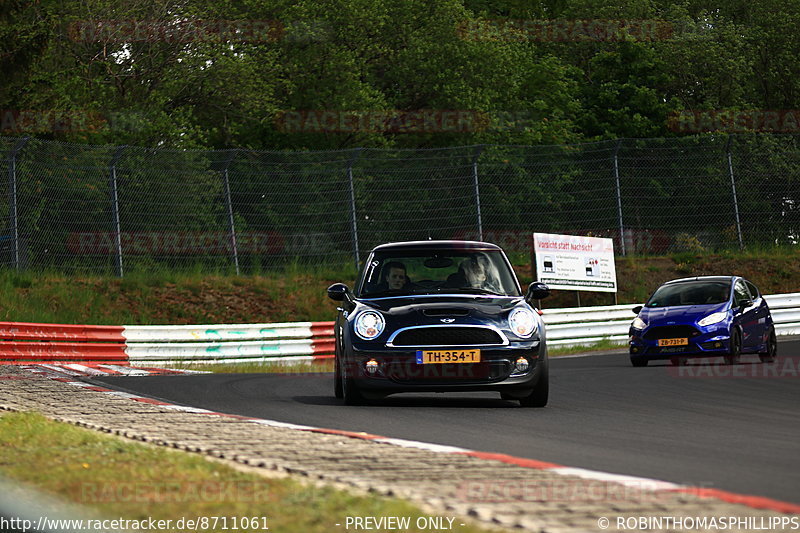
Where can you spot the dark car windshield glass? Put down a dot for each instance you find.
(450, 271)
(690, 293)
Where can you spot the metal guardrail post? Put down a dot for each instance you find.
(229, 206)
(733, 190)
(13, 196)
(115, 207)
(619, 196)
(353, 221)
(477, 189)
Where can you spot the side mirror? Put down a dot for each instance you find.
(537, 291)
(745, 303)
(637, 309)
(339, 292)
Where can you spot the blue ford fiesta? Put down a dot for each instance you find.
(706, 316)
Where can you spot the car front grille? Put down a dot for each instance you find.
(671, 332)
(448, 336)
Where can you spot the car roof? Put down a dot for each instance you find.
(436, 245)
(728, 279)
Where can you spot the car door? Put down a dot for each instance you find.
(745, 314)
(762, 312)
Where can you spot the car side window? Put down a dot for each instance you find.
(753, 290)
(740, 293)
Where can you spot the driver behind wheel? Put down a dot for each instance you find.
(395, 278)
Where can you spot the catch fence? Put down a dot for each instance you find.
(117, 209)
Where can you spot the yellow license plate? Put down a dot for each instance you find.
(427, 357)
(673, 342)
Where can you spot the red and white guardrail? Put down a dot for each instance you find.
(285, 342)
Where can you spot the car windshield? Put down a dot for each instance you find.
(690, 293)
(448, 271)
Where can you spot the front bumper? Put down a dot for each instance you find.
(712, 342)
(398, 370)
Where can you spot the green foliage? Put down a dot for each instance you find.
(407, 55)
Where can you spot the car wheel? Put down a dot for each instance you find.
(538, 397)
(772, 348)
(638, 361)
(736, 348)
(350, 392)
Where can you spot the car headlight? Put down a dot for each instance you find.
(638, 323)
(369, 325)
(522, 322)
(713, 318)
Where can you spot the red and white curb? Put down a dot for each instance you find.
(640, 483)
(69, 370)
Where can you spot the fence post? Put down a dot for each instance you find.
(477, 189)
(229, 207)
(353, 222)
(619, 196)
(733, 190)
(13, 195)
(115, 206)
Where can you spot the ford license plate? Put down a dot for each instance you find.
(427, 357)
(673, 342)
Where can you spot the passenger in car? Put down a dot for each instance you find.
(476, 272)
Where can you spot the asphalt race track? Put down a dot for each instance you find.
(730, 428)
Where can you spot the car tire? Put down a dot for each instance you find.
(350, 392)
(772, 348)
(639, 361)
(735, 351)
(538, 397)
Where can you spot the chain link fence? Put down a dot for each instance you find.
(118, 209)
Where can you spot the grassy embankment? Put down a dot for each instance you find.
(298, 292)
(117, 478)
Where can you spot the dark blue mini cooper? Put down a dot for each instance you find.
(703, 317)
(439, 316)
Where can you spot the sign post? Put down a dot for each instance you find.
(575, 263)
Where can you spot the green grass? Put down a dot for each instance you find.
(152, 294)
(169, 298)
(259, 367)
(599, 346)
(120, 478)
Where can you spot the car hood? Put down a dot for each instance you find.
(444, 306)
(680, 313)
